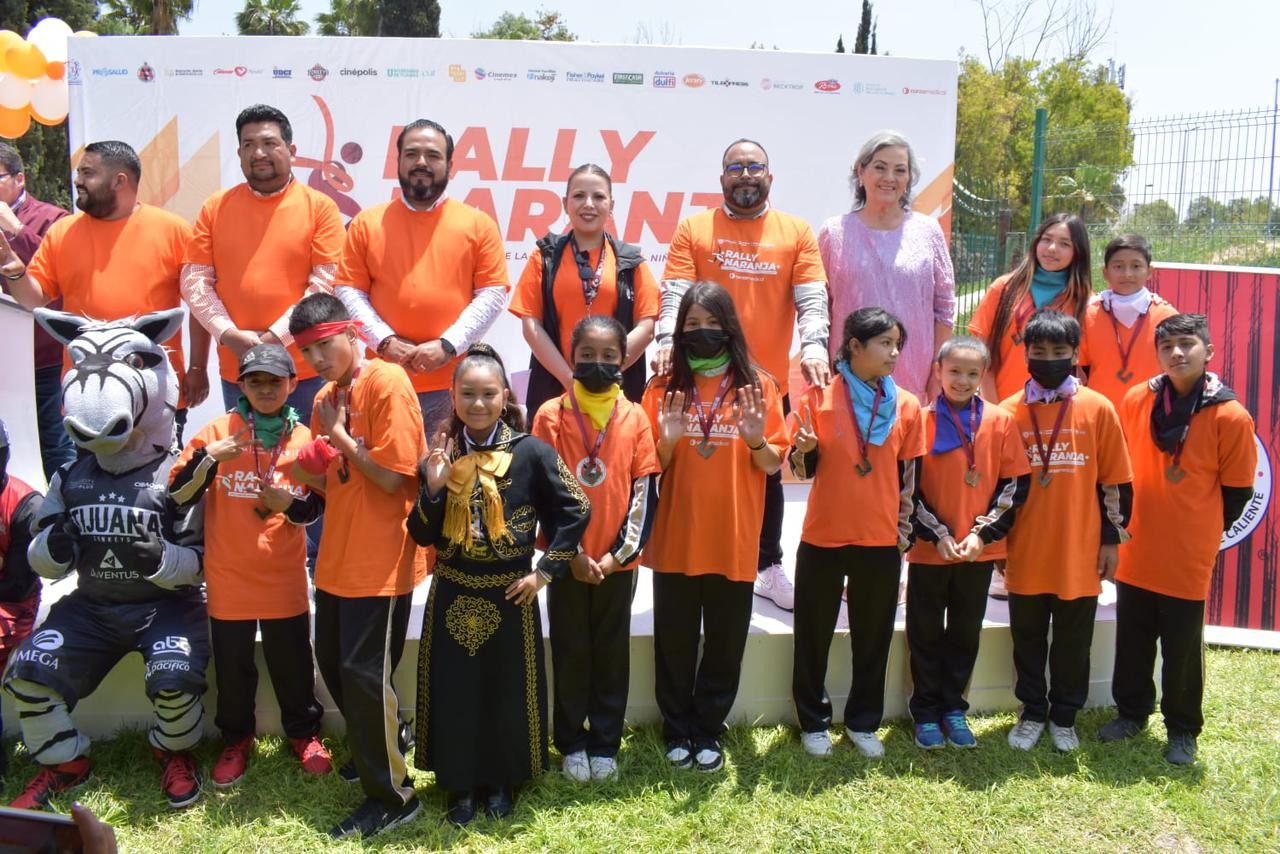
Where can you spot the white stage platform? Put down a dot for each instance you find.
(764, 696)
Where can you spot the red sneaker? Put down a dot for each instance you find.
(180, 778)
(315, 759)
(231, 764)
(49, 781)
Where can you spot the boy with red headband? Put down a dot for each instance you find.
(366, 462)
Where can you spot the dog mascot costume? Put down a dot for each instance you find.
(108, 517)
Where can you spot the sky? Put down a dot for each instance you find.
(1181, 56)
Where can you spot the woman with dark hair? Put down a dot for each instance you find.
(884, 254)
(482, 686)
(720, 431)
(1055, 274)
(583, 272)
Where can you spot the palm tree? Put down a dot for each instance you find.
(145, 17)
(271, 18)
(350, 18)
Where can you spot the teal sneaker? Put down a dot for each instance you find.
(956, 726)
(929, 737)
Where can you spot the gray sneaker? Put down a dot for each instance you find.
(1064, 738)
(1182, 749)
(1025, 734)
(1119, 728)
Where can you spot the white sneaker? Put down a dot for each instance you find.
(997, 590)
(576, 767)
(1064, 737)
(772, 583)
(603, 768)
(866, 742)
(816, 743)
(1025, 735)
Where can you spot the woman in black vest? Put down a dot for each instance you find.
(584, 271)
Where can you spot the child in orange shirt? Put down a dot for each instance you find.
(972, 482)
(1055, 273)
(366, 460)
(720, 432)
(861, 439)
(1194, 459)
(255, 559)
(1117, 349)
(608, 445)
(1080, 496)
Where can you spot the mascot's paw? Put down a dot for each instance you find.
(61, 540)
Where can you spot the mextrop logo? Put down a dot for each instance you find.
(357, 72)
(828, 87)
(664, 80)
(628, 78)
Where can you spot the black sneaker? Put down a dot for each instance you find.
(680, 752)
(372, 817)
(404, 738)
(708, 757)
(1182, 749)
(1119, 728)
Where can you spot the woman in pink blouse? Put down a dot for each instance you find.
(884, 254)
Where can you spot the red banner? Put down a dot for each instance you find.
(1241, 304)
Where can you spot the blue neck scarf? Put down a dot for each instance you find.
(1045, 286)
(945, 437)
(862, 395)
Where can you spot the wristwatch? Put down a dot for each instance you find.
(448, 348)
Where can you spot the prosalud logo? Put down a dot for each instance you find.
(628, 78)
(664, 80)
(318, 72)
(110, 72)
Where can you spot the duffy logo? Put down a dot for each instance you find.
(1257, 506)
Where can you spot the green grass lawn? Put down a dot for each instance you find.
(772, 797)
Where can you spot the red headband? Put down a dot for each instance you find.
(312, 334)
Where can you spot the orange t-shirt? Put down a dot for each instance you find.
(997, 454)
(254, 569)
(1053, 548)
(1101, 352)
(758, 261)
(421, 268)
(1177, 527)
(365, 549)
(112, 269)
(1011, 372)
(845, 508)
(628, 454)
(262, 251)
(571, 305)
(710, 508)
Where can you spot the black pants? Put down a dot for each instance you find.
(775, 502)
(945, 606)
(1067, 688)
(1142, 617)
(873, 573)
(591, 658)
(695, 697)
(286, 646)
(358, 644)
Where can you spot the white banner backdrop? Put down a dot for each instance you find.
(523, 115)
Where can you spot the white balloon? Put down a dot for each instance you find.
(49, 99)
(50, 35)
(15, 93)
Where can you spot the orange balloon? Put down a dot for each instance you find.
(8, 39)
(25, 61)
(14, 123)
(55, 70)
(48, 122)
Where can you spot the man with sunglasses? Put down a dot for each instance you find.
(769, 263)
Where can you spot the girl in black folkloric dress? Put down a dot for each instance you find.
(482, 687)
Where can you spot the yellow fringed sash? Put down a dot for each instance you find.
(598, 407)
(487, 467)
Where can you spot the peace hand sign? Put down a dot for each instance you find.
(748, 412)
(230, 447)
(805, 439)
(436, 466)
(671, 423)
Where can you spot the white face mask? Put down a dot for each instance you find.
(1127, 308)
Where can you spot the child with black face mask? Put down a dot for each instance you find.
(607, 443)
(1080, 498)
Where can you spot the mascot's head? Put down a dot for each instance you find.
(4, 454)
(120, 394)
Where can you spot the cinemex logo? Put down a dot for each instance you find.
(694, 81)
(457, 73)
(47, 640)
(317, 72)
(496, 76)
(281, 73)
(664, 80)
(583, 77)
(146, 73)
(828, 87)
(357, 72)
(110, 72)
(1257, 506)
(545, 75)
(628, 78)
(731, 84)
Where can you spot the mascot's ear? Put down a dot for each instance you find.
(159, 326)
(62, 325)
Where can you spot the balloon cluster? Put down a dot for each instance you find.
(33, 76)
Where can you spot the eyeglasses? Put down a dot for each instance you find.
(751, 170)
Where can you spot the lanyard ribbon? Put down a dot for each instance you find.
(593, 448)
(267, 478)
(863, 467)
(970, 455)
(590, 280)
(1124, 374)
(1174, 472)
(1044, 450)
(705, 422)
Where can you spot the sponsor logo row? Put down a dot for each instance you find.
(459, 73)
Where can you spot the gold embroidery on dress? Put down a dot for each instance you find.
(527, 616)
(424, 680)
(523, 519)
(571, 483)
(476, 582)
(471, 621)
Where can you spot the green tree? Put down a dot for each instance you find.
(410, 18)
(145, 17)
(1155, 215)
(547, 26)
(349, 18)
(271, 18)
(840, 44)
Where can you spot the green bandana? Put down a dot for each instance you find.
(704, 366)
(267, 429)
